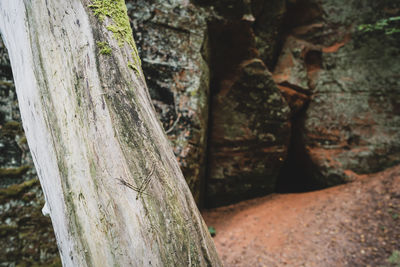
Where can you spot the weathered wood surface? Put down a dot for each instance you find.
(113, 188)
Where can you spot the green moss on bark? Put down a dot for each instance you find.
(117, 12)
(104, 48)
(133, 66)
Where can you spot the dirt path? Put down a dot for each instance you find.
(357, 224)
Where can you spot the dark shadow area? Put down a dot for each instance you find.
(228, 44)
(295, 175)
(300, 13)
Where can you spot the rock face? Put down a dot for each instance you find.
(170, 37)
(268, 28)
(26, 236)
(352, 124)
(250, 127)
(265, 18)
(12, 138)
(249, 137)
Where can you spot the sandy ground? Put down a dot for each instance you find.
(356, 224)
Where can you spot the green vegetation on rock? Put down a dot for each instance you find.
(16, 189)
(6, 84)
(395, 258)
(212, 230)
(7, 229)
(30, 263)
(11, 129)
(14, 172)
(386, 25)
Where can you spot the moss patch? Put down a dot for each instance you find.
(7, 229)
(6, 84)
(14, 172)
(104, 48)
(16, 189)
(23, 140)
(11, 129)
(116, 10)
(134, 67)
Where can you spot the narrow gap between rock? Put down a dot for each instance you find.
(295, 175)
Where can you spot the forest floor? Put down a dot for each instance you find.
(357, 224)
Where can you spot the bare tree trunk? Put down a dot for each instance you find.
(114, 191)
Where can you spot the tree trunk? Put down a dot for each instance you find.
(113, 188)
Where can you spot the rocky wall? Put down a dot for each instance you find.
(249, 119)
(343, 85)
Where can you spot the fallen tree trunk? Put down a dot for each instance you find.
(113, 188)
